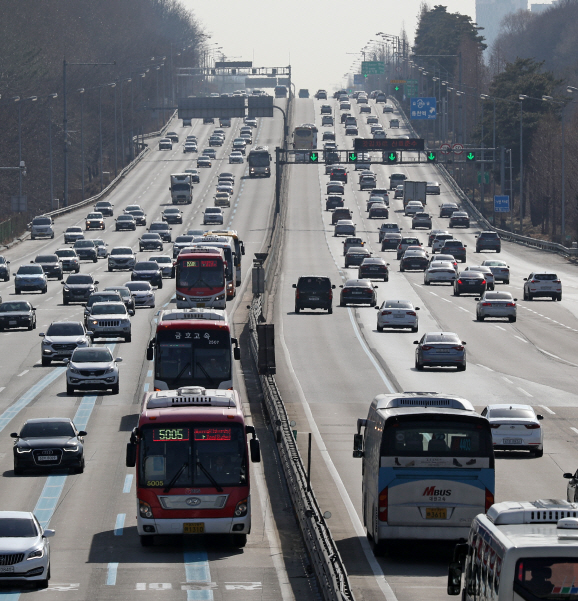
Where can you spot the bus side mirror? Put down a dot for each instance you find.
(358, 445)
(237, 353)
(454, 579)
(255, 449)
(150, 351)
(130, 454)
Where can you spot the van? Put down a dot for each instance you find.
(394, 123)
(41, 227)
(518, 550)
(314, 292)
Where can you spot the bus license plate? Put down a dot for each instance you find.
(200, 305)
(198, 528)
(435, 513)
(512, 441)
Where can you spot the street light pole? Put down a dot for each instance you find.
(51, 97)
(522, 97)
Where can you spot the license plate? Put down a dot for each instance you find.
(107, 329)
(472, 283)
(434, 513)
(373, 269)
(6, 569)
(443, 351)
(313, 298)
(399, 316)
(198, 528)
(200, 304)
(12, 323)
(512, 441)
(356, 293)
(48, 458)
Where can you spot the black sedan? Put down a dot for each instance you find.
(51, 265)
(78, 288)
(125, 222)
(374, 268)
(459, 219)
(150, 242)
(357, 292)
(470, 282)
(414, 259)
(17, 314)
(49, 442)
(172, 215)
(334, 202)
(86, 250)
(147, 271)
(139, 217)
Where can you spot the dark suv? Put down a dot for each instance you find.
(338, 174)
(341, 213)
(456, 248)
(314, 292)
(488, 241)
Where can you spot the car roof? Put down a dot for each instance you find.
(511, 406)
(374, 260)
(43, 420)
(365, 283)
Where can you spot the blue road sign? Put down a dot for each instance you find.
(501, 204)
(422, 108)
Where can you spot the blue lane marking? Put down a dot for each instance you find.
(127, 483)
(84, 411)
(150, 373)
(8, 596)
(49, 498)
(197, 571)
(111, 574)
(119, 526)
(146, 387)
(29, 396)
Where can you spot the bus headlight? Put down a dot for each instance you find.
(145, 509)
(241, 509)
(220, 297)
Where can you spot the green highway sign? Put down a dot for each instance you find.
(372, 67)
(411, 87)
(431, 157)
(470, 156)
(392, 157)
(352, 157)
(313, 157)
(486, 177)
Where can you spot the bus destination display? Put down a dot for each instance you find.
(218, 434)
(170, 434)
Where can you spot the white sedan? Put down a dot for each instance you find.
(515, 428)
(236, 157)
(439, 272)
(413, 207)
(397, 314)
(496, 304)
(500, 269)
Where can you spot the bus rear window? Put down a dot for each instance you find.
(547, 578)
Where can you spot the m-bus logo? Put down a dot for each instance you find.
(432, 491)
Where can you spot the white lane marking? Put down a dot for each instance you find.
(484, 367)
(574, 430)
(447, 300)
(547, 353)
(522, 339)
(547, 409)
(119, 525)
(501, 328)
(2, 388)
(525, 392)
(111, 574)
(127, 483)
(506, 380)
(24, 372)
(433, 293)
(356, 522)
(462, 309)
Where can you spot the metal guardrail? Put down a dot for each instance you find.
(325, 558)
(473, 210)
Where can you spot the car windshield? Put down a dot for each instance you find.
(545, 277)
(84, 244)
(91, 355)
(102, 297)
(103, 204)
(150, 237)
(159, 226)
(65, 329)
(47, 429)
(125, 218)
(108, 309)
(146, 266)
(495, 263)
(98, 242)
(138, 286)
(398, 305)
(498, 296)
(515, 412)
(172, 211)
(41, 221)
(17, 528)
(121, 251)
(183, 239)
(79, 279)
(46, 259)
(30, 269)
(94, 216)
(447, 337)
(161, 259)
(124, 292)
(15, 306)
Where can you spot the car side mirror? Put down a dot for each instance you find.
(48, 533)
(516, 299)
(294, 285)
(525, 279)
(540, 416)
(131, 312)
(477, 299)
(465, 246)
(89, 333)
(118, 360)
(66, 361)
(376, 307)
(567, 475)
(416, 341)
(464, 342)
(333, 286)
(82, 433)
(42, 334)
(376, 286)
(341, 285)
(14, 435)
(96, 282)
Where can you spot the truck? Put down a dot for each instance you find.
(414, 191)
(181, 188)
(259, 161)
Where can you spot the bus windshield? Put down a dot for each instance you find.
(201, 273)
(436, 438)
(193, 358)
(259, 159)
(192, 454)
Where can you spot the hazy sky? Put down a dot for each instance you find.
(314, 36)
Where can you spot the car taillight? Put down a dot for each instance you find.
(494, 426)
(483, 281)
(460, 282)
(534, 281)
(426, 347)
(386, 312)
(486, 304)
(383, 505)
(458, 348)
(331, 295)
(510, 304)
(297, 293)
(533, 426)
(412, 313)
(399, 247)
(489, 499)
(557, 282)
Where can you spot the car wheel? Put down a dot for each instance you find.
(414, 329)
(297, 309)
(425, 282)
(60, 276)
(80, 468)
(401, 268)
(538, 452)
(115, 389)
(330, 310)
(147, 541)
(31, 326)
(16, 291)
(418, 365)
(239, 540)
(479, 317)
(7, 278)
(525, 296)
(456, 292)
(559, 297)
(18, 471)
(95, 260)
(512, 319)
(530, 297)
(45, 290)
(462, 367)
(128, 337)
(69, 389)
(506, 282)
(65, 301)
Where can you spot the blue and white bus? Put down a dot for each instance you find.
(428, 466)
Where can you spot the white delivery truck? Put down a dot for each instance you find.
(414, 191)
(181, 188)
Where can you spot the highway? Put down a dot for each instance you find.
(331, 366)
(96, 552)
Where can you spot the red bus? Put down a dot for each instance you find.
(193, 347)
(192, 464)
(200, 278)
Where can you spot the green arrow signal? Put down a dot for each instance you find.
(313, 157)
(470, 156)
(396, 88)
(353, 157)
(431, 156)
(392, 157)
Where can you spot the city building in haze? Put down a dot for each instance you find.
(540, 8)
(489, 15)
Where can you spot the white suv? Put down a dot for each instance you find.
(542, 283)
(42, 227)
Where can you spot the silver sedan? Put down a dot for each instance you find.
(496, 304)
(439, 272)
(397, 314)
